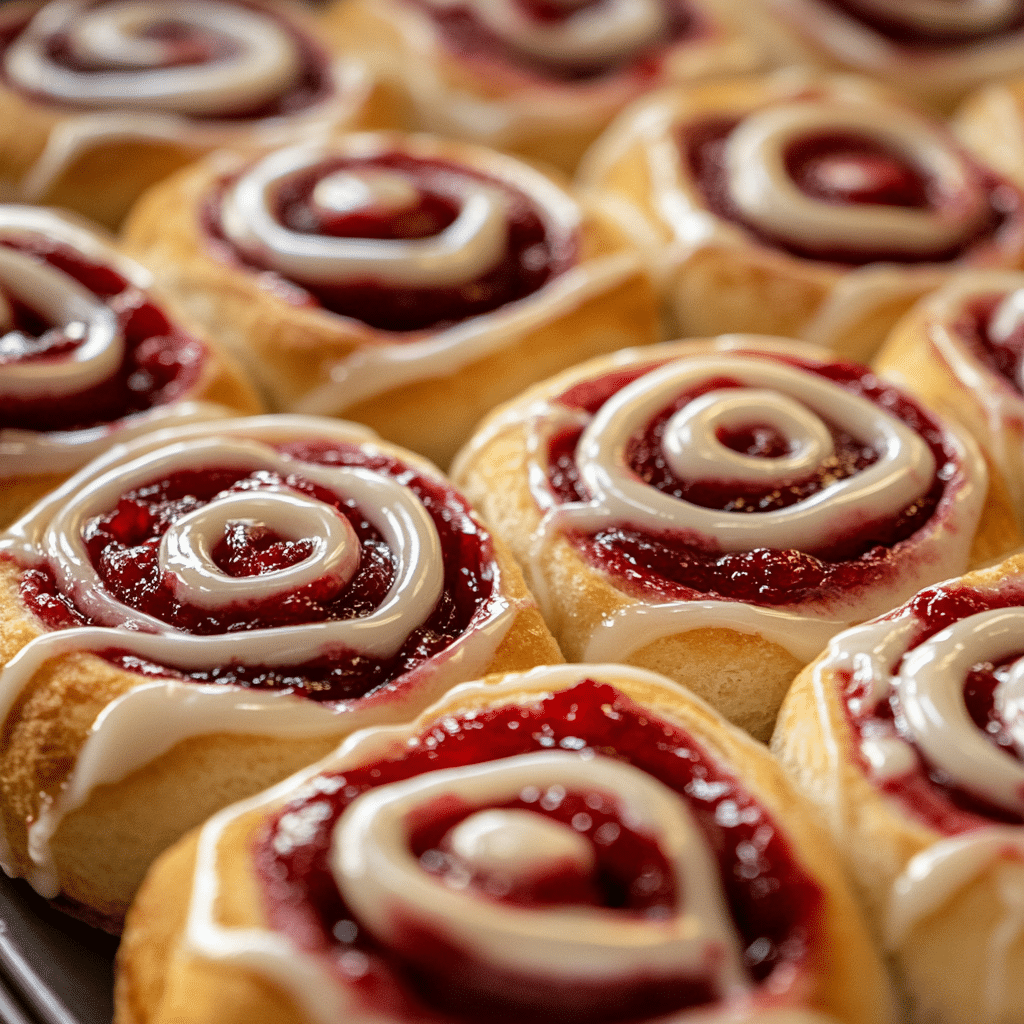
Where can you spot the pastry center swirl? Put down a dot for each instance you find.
(975, 16)
(387, 887)
(795, 408)
(81, 345)
(894, 183)
(184, 58)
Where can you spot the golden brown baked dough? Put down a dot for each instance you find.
(636, 563)
(130, 369)
(193, 960)
(93, 140)
(958, 352)
(801, 205)
(420, 381)
(491, 76)
(116, 741)
(938, 866)
(990, 122)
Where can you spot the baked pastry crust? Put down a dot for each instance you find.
(208, 383)
(739, 653)
(106, 758)
(175, 963)
(941, 353)
(719, 275)
(96, 155)
(940, 899)
(503, 102)
(311, 360)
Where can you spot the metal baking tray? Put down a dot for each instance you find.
(53, 968)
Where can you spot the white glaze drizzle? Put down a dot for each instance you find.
(600, 30)
(473, 243)
(903, 471)
(152, 717)
(767, 196)
(314, 987)
(377, 875)
(261, 58)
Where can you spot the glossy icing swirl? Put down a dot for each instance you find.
(83, 349)
(199, 60)
(572, 34)
(395, 233)
(309, 484)
(846, 213)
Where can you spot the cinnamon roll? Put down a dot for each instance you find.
(582, 843)
(88, 357)
(541, 79)
(959, 351)
(201, 612)
(397, 280)
(802, 206)
(905, 732)
(717, 510)
(100, 98)
(933, 50)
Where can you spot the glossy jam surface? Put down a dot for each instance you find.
(839, 168)
(774, 906)
(1003, 356)
(160, 365)
(314, 84)
(671, 567)
(123, 545)
(917, 37)
(934, 799)
(532, 256)
(471, 40)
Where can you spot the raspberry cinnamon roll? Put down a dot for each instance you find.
(100, 98)
(399, 280)
(959, 351)
(906, 734)
(581, 843)
(541, 79)
(88, 358)
(717, 510)
(801, 206)
(934, 50)
(214, 607)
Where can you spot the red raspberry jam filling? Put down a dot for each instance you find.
(775, 907)
(670, 567)
(904, 33)
(1001, 356)
(840, 168)
(533, 256)
(927, 791)
(313, 85)
(474, 42)
(161, 362)
(123, 545)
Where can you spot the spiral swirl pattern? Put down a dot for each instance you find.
(377, 874)
(765, 194)
(589, 33)
(796, 404)
(471, 245)
(236, 57)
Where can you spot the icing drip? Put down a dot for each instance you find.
(198, 60)
(761, 185)
(383, 883)
(467, 248)
(791, 401)
(595, 32)
(77, 320)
